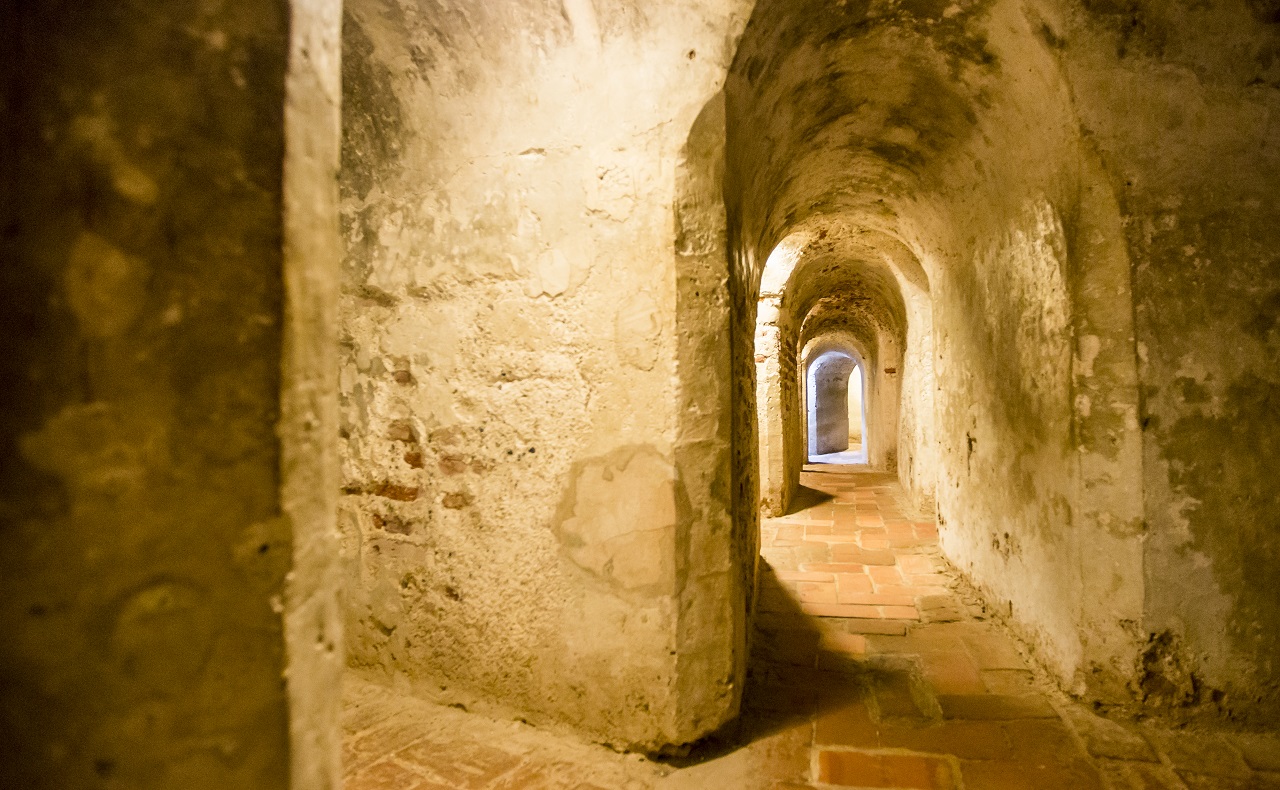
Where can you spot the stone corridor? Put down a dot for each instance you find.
(405, 394)
(873, 667)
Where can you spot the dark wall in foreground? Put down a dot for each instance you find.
(143, 548)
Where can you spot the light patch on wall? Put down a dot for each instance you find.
(435, 404)
(94, 447)
(130, 181)
(162, 635)
(550, 275)
(611, 194)
(781, 263)
(418, 330)
(582, 18)
(1084, 405)
(1089, 346)
(622, 525)
(636, 332)
(106, 288)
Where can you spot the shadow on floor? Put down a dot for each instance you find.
(791, 674)
(806, 498)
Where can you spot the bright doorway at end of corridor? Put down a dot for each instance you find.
(837, 420)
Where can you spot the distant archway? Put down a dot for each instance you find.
(834, 408)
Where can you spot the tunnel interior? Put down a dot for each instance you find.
(481, 351)
(969, 289)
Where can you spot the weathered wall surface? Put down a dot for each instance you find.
(917, 434)
(1186, 131)
(308, 427)
(535, 377)
(146, 541)
(1005, 407)
(1059, 171)
(777, 398)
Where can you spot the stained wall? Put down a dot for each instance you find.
(1083, 187)
(1185, 129)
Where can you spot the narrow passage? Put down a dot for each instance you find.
(869, 642)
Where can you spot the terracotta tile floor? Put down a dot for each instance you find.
(871, 669)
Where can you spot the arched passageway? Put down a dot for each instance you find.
(912, 182)
(847, 146)
(827, 290)
(968, 302)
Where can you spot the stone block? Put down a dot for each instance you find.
(995, 707)
(902, 772)
(1105, 738)
(1017, 775)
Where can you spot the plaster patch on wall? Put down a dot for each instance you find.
(619, 520)
(1089, 346)
(612, 193)
(551, 275)
(162, 635)
(636, 332)
(96, 132)
(93, 446)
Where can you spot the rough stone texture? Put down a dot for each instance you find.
(827, 706)
(1193, 161)
(570, 370)
(535, 375)
(1020, 154)
(779, 393)
(314, 643)
(148, 507)
(534, 303)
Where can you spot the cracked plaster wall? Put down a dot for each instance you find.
(1181, 102)
(535, 376)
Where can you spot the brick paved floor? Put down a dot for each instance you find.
(871, 668)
